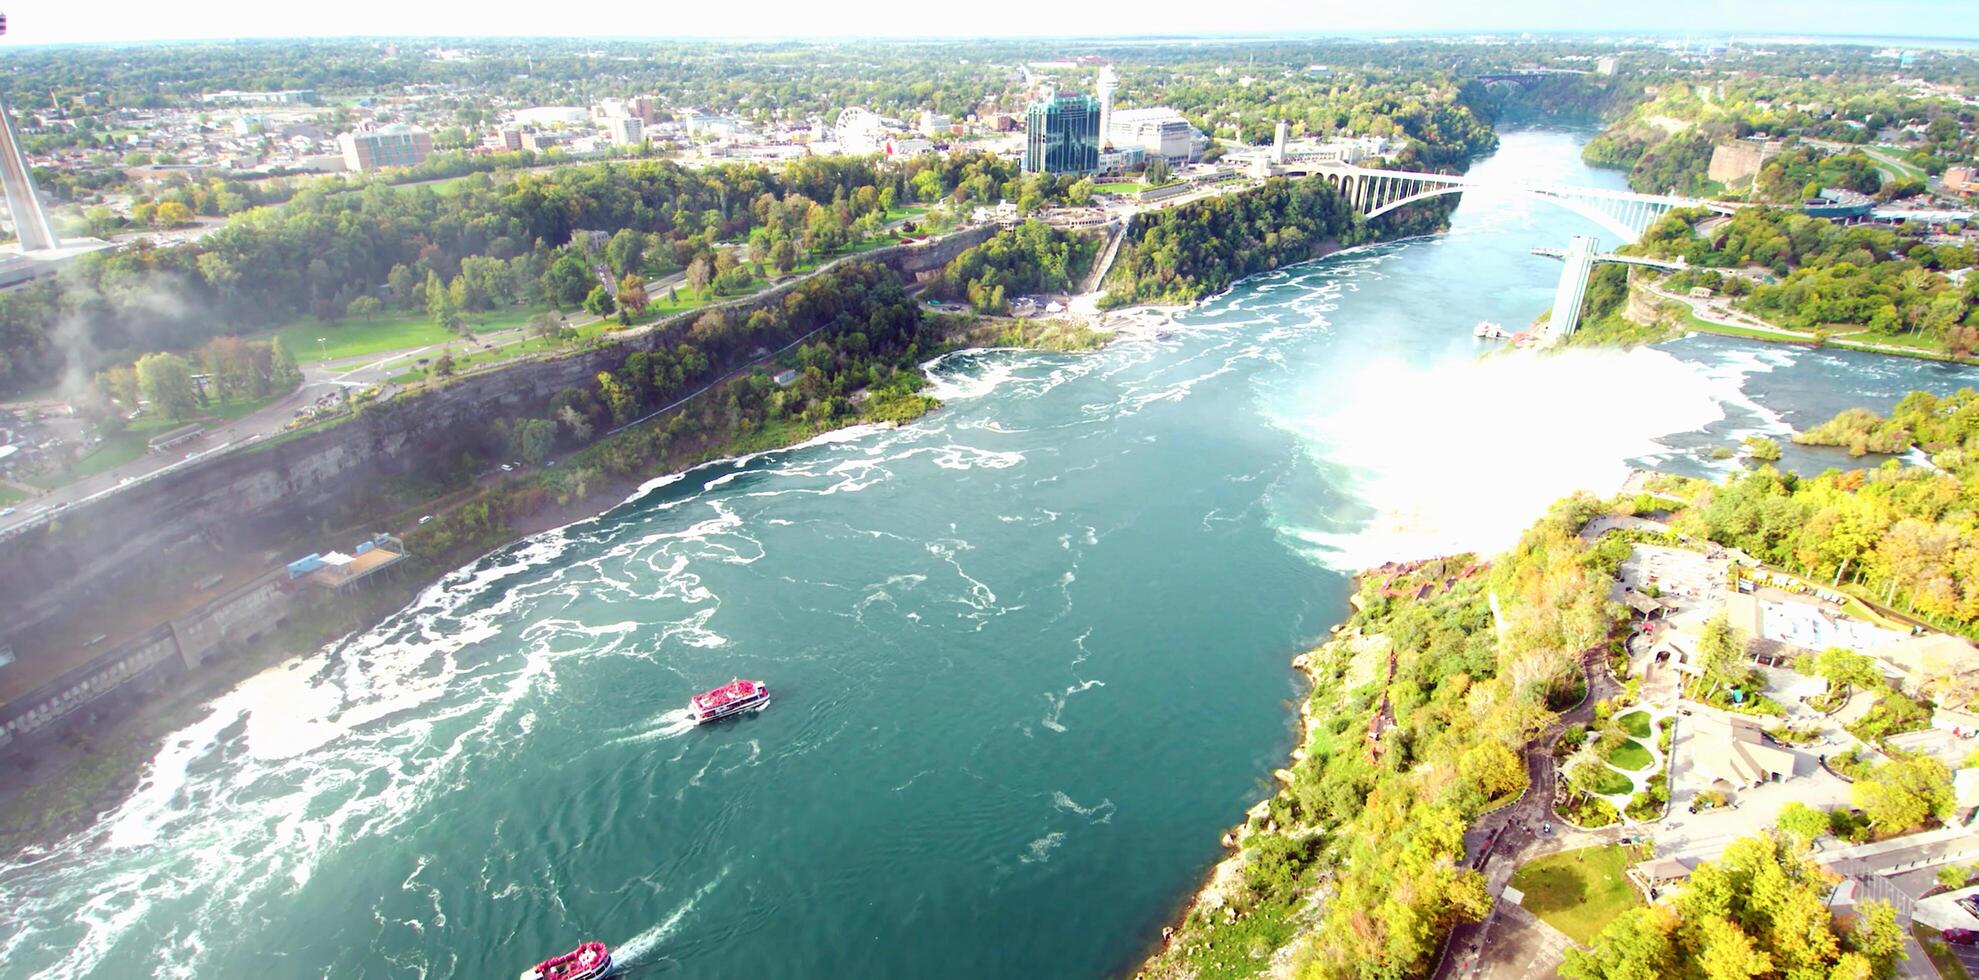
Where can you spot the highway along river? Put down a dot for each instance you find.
(1030, 654)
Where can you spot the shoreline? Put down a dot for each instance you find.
(1209, 895)
(140, 730)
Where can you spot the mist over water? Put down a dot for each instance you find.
(1029, 654)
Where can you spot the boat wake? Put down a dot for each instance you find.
(643, 949)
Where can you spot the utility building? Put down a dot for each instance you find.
(1061, 135)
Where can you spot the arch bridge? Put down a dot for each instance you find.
(1373, 193)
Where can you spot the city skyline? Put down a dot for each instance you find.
(1937, 20)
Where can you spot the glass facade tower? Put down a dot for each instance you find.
(1061, 135)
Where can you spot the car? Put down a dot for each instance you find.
(1970, 903)
(1546, 827)
(428, 519)
(506, 468)
(1961, 937)
(6, 511)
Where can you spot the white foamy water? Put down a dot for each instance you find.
(1463, 455)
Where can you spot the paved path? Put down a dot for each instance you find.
(1505, 838)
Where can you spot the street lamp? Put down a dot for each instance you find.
(324, 347)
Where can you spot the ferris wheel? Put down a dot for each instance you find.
(858, 130)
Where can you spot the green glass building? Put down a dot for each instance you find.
(1061, 135)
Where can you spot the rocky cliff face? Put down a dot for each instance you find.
(256, 497)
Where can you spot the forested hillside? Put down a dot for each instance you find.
(507, 241)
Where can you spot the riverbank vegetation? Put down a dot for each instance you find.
(1759, 910)
(1418, 712)
(1903, 536)
(1180, 255)
(1028, 259)
(1874, 284)
(861, 337)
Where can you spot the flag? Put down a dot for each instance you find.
(3, 23)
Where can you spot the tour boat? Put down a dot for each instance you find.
(587, 962)
(1488, 330)
(732, 698)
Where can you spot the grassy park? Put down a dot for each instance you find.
(1612, 783)
(1636, 723)
(1631, 755)
(1578, 892)
(353, 338)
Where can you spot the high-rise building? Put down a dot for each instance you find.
(31, 224)
(1160, 131)
(1108, 84)
(1061, 135)
(626, 130)
(397, 145)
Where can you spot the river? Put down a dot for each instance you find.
(1030, 654)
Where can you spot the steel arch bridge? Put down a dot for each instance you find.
(1376, 192)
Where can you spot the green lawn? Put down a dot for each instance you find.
(1613, 783)
(10, 496)
(351, 338)
(1899, 159)
(1632, 755)
(1578, 892)
(1635, 723)
(1718, 328)
(239, 408)
(1120, 187)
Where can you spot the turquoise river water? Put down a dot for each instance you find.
(1030, 654)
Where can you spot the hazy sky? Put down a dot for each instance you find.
(48, 21)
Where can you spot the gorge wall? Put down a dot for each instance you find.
(258, 497)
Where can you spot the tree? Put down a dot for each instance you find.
(550, 327)
(567, 281)
(1721, 655)
(364, 308)
(1758, 910)
(598, 302)
(282, 363)
(618, 397)
(1954, 875)
(1843, 667)
(572, 419)
(1157, 172)
(440, 304)
(1902, 794)
(632, 293)
(165, 380)
(172, 214)
(1763, 449)
(699, 274)
(530, 439)
(442, 366)
(1802, 822)
(783, 256)
(626, 251)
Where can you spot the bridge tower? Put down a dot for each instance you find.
(31, 223)
(1573, 285)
